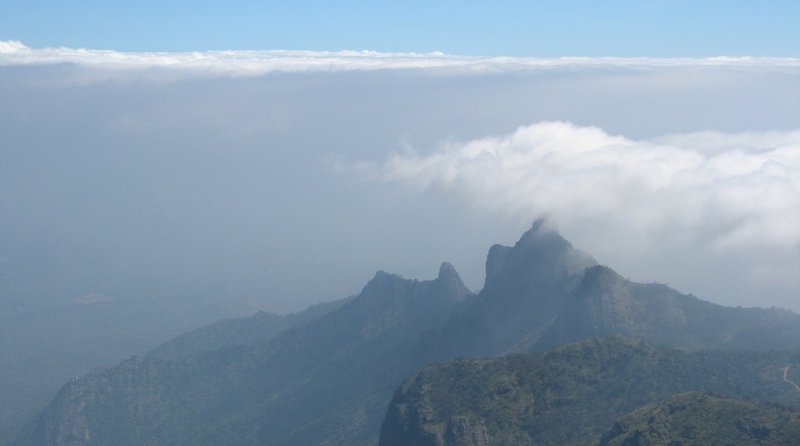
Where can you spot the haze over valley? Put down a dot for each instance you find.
(418, 224)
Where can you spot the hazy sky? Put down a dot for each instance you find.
(290, 178)
(288, 173)
(650, 28)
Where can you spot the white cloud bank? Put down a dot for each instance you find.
(253, 63)
(698, 200)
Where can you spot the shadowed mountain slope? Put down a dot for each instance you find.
(542, 293)
(525, 287)
(317, 383)
(328, 378)
(251, 330)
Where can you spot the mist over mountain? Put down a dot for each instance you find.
(42, 348)
(542, 292)
(326, 376)
(325, 381)
(195, 198)
(141, 184)
(194, 186)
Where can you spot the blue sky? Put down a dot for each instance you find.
(656, 28)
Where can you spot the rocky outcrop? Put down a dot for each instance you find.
(463, 431)
(525, 287)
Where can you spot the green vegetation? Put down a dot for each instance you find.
(697, 419)
(570, 395)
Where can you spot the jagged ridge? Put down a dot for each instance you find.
(329, 380)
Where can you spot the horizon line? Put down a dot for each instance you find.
(256, 62)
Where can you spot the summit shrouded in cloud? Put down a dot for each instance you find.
(747, 185)
(711, 195)
(241, 143)
(238, 154)
(198, 184)
(166, 165)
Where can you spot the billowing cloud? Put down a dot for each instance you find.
(249, 63)
(721, 197)
(713, 213)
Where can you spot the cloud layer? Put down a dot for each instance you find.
(713, 213)
(253, 63)
(706, 194)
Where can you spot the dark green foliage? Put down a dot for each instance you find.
(572, 394)
(697, 419)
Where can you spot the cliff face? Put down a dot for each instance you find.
(525, 287)
(66, 424)
(408, 423)
(139, 395)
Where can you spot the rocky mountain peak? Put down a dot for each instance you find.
(447, 272)
(382, 281)
(450, 285)
(601, 277)
(539, 229)
(541, 255)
